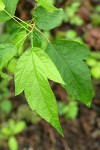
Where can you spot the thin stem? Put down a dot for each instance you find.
(32, 39)
(26, 35)
(16, 20)
(42, 34)
(22, 21)
(23, 38)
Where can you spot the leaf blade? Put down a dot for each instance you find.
(72, 68)
(44, 102)
(7, 52)
(2, 6)
(50, 69)
(10, 7)
(48, 20)
(47, 4)
(35, 84)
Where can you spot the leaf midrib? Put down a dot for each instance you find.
(66, 63)
(50, 112)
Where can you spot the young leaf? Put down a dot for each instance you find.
(31, 75)
(2, 6)
(12, 143)
(10, 7)
(37, 39)
(68, 56)
(48, 20)
(19, 38)
(7, 52)
(47, 4)
(19, 127)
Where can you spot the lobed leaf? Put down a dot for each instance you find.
(69, 56)
(33, 70)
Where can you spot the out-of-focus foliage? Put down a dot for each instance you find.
(9, 129)
(69, 110)
(94, 62)
(69, 35)
(71, 14)
(5, 103)
(24, 112)
(95, 17)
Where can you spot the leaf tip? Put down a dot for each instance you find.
(88, 104)
(60, 131)
(62, 134)
(2, 5)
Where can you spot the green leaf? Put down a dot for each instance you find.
(11, 125)
(33, 70)
(95, 71)
(12, 143)
(10, 7)
(69, 111)
(19, 127)
(37, 39)
(11, 66)
(6, 106)
(2, 6)
(43, 62)
(6, 131)
(47, 4)
(7, 52)
(19, 38)
(69, 56)
(48, 20)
